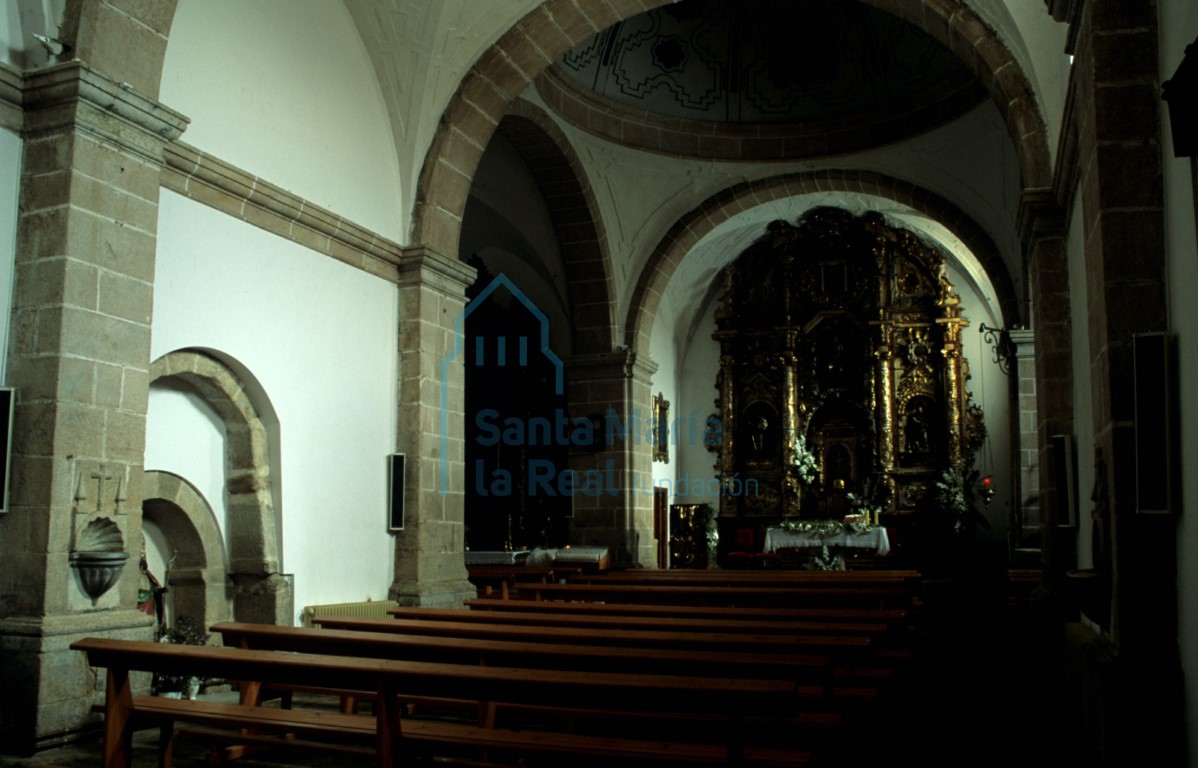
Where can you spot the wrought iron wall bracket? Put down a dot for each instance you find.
(1001, 346)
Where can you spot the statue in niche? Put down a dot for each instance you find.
(839, 466)
(834, 373)
(761, 427)
(918, 430)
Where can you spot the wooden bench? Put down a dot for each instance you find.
(776, 578)
(856, 659)
(747, 642)
(818, 685)
(874, 596)
(897, 618)
(491, 579)
(682, 624)
(801, 668)
(397, 742)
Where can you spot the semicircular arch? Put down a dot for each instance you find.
(251, 526)
(708, 217)
(197, 577)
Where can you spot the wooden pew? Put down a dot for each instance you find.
(875, 596)
(838, 646)
(772, 578)
(395, 741)
(816, 681)
(857, 660)
(758, 624)
(491, 579)
(803, 668)
(896, 617)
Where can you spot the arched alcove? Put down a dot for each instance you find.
(198, 576)
(263, 594)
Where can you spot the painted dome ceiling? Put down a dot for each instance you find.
(773, 61)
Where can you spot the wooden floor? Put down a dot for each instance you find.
(984, 698)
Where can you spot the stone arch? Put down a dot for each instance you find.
(502, 73)
(703, 219)
(125, 41)
(199, 578)
(263, 593)
(572, 207)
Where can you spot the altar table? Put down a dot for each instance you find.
(780, 538)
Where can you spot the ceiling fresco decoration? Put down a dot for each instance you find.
(768, 61)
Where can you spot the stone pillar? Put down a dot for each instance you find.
(430, 567)
(1025, 418)
(1051, 367)
(79, 358)
(616, 388)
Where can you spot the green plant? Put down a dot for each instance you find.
(956, 497)
(184, 632)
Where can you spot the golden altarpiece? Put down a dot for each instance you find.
(844, 332)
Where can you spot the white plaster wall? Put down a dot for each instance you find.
(319, 337)
(1179, 28)
(10, 176)
(664, 351)
(185, 436)
(697, 395)
(20, 20)
(284, 90)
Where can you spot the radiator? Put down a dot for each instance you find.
(368, 609)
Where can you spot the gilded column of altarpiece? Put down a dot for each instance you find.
(845, 331)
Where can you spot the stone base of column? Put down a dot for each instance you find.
(49, 689)
(433, 594)
(268, 599)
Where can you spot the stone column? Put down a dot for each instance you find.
(615, 387)
(430, 567)
(79, 358)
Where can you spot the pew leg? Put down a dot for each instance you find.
(118, 708)
(166, 744)
(389, 749)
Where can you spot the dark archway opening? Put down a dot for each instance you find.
(517, 431)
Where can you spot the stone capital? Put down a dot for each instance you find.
(421, 266)
(73, 96)
(622, 363)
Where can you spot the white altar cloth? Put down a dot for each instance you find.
(780, 538)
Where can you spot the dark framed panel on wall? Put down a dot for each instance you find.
(1064, 463)
(1154, 414)
(8, 397)
(395, 488)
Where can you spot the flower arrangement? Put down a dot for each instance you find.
(826, 561)
(806, 465)
(955, 496)
(821, 528)
(185, 632)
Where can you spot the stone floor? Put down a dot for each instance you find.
(981, 696)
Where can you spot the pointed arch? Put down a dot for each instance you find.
(575, 215)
